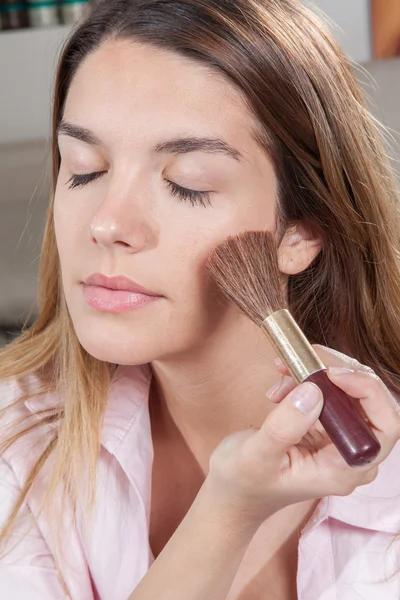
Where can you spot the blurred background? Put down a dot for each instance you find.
(31, 34)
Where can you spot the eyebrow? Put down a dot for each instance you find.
(174, 146)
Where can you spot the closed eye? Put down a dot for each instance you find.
(81, 180)
(195, 197)
(186, 195)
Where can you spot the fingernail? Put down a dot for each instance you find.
(339, 370)
(306, 398)
(274, 389)
(278, 361)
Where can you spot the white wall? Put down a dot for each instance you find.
(353, 20)
(27, 62)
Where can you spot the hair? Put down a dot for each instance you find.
(333, 173)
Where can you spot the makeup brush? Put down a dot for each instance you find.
(246, 269)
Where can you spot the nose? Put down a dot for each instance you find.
(120, 221)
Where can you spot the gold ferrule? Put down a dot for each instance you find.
(291, 344)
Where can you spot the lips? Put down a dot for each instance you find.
(118, 283)
(116, 294)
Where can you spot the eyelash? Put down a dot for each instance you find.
(185, 195)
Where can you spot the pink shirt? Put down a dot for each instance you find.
(344, 551)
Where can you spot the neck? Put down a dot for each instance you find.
(218, 389)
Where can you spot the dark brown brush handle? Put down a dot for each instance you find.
(344, 425)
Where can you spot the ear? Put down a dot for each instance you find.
(300, 245)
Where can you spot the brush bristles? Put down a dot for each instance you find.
(246, 269)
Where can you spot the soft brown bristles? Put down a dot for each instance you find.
(246, 269)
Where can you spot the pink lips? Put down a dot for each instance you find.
(116, 294)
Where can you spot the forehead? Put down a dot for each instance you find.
(132, 87)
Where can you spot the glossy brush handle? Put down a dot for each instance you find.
(344, 425)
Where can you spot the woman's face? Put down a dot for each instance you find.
(139, 124)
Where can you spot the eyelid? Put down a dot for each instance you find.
(195, 197)
(84, 159)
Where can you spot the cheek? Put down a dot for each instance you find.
(190, 248)
(188, 262)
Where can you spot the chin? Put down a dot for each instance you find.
(110, 344)
(136, 339)
(116, 353)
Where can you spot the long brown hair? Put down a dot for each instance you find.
(332, 171)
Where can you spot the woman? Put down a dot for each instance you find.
(137, 399)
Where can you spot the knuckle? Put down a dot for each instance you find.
(356, 478)
(347, 487)
(370, 476)
(343, 480)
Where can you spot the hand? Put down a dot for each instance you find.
(290, 458)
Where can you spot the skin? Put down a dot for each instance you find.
(127, 222)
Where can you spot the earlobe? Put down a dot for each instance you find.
(299, 247)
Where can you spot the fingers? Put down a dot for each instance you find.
(290, 421)
(379, 405)
(334, 358)
(359, 382)
(369, 476)
(282, 387)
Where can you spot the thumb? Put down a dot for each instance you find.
(289, 422)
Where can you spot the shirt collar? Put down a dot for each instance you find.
(128, 395)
